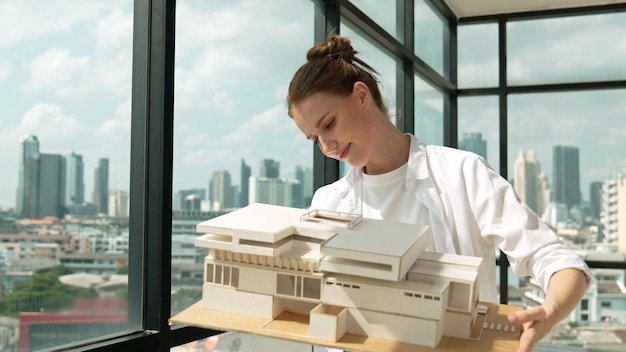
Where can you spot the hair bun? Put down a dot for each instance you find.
(335, 48)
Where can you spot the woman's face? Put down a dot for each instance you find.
(340, 125)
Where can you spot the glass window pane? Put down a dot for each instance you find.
(65, 77)
(479, 128)
(383, 63)
(477, 55)
(428, 112)
(431, 37)
(381, 12)
(554, 133)
(566, 49)
(234, 143)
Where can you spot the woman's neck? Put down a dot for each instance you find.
(390, 150)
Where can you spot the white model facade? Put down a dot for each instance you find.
(347, 274)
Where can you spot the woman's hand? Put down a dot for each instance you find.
(535, 326)
(566, 288)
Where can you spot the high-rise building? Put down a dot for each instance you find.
(270, 168)
(101, 186)
(614, 211)
(222, 192)
(276, 191)
(305, 177)
(307, 186)
(74, 179)
(527, 182)
(246, 172)
(28, 169)
(50, 186)
(554, 214)
(193, 202)
(595, 199)
(199, 193)
(118, 203)
(566, 178)
(474, 142)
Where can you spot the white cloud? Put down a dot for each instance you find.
(222, 100)
(264, 125)
(51, 125)
(57, 71)
(118, 126)
(218, 47)
(6, 67)
(26, 20)
(112, 31)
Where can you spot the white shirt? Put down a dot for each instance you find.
(385, 197)
(472, 211)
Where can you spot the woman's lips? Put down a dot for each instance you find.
(344, 152)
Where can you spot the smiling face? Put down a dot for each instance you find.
(340, 125)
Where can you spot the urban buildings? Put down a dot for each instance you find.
(530, 182)
(101, 186)
(566, 175)
(474, 142)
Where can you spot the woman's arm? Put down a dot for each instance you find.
(565, 291)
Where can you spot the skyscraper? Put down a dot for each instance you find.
(246, 172)
(566, 178)
(200, 196)
(527, 182)
(474, 142)
(614, 211)
(307, 186)
(595, 199)
(50, 186)
(101, 186)
(277, 191)
(118, 204)
(305, 177)
(28, 169)
(74, 179)
(270, 168)
(222, 194)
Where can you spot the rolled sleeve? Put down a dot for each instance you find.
(554, 257)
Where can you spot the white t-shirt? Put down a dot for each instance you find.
(385, 197)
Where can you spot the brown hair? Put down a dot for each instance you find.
(332, 67)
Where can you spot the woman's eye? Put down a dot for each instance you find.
(330, 124)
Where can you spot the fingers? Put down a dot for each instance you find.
(525, 315)
(527, 340)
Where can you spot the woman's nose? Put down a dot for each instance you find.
(327, 145)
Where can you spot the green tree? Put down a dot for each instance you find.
(123, 270)
(43, 292)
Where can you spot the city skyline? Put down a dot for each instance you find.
(40, 193)
(67, 79)
(270, 167)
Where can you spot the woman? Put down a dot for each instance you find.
(335, 101)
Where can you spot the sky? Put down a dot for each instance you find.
(65, 74)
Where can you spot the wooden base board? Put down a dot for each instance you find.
(495, 335)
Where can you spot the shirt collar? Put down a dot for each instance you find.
(418, 160)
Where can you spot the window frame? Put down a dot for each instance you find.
(152, 145)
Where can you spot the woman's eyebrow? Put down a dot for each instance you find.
(318, 123)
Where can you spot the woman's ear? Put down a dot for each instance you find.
(361, 92)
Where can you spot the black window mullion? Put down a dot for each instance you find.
(450, 111)
(159, 155)
(405, 77)
(137, 202)
(503, 136)
(327, 18)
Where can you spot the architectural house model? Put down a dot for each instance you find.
(348, 274)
